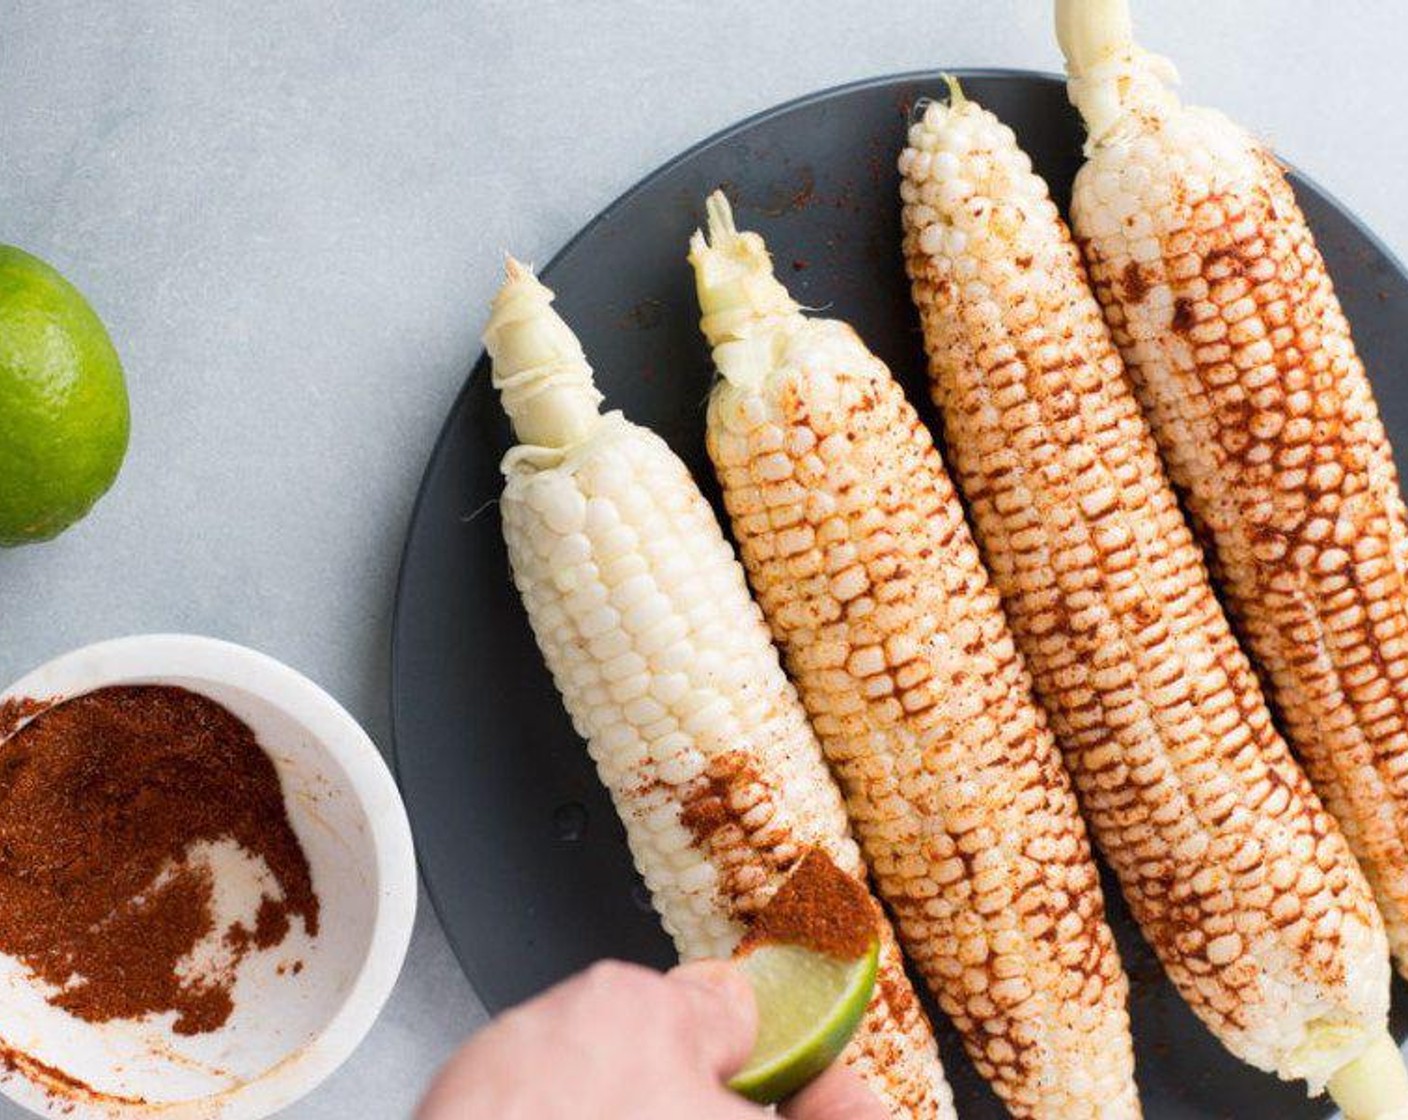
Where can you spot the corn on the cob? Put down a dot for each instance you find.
(1243, 359)
(1233, 869)
(856, 547)
(665, 665)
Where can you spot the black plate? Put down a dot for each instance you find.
(523, 854)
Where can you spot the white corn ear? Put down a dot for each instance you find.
(856, 547)
(1236, 874)
(1242, 358)
(643, 616)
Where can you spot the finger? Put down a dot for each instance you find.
(723, 1016)
(838, 1094)
(449, 1095)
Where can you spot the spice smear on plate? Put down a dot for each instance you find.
(125, 816)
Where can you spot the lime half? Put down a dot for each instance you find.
(809, 1005)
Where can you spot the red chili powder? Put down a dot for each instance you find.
(819, 907)
(15, 712)
(101, 800)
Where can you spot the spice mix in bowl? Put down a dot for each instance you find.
(206, 884)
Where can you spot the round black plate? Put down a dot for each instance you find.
(524, 857)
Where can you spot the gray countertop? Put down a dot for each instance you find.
(290, 214)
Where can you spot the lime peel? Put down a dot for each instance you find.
(63, 402)
(809, 1006)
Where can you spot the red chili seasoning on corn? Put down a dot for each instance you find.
(820, 908)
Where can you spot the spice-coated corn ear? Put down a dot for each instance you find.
(1236, 874)
(668, 671)
(855, 544)
(1243, 359)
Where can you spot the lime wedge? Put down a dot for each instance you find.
(809, 1006)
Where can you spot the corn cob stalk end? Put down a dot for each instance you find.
(1093, 31)
(746, 310)
(1110, 76)
(539, 366)
(1375, 1085)
(956, 97)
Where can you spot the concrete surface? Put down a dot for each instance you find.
(290, 214)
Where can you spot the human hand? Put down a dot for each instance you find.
(619, 1042)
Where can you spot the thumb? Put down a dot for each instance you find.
(723, 1015)
(838, 1094)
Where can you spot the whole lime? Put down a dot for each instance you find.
(63, 402)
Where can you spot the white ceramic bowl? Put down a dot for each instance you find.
(288, 1032)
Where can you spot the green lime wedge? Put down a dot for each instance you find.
(809, 1006)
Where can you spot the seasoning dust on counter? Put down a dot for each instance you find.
(145, 851)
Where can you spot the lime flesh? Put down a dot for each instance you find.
(809, 1006)
(63, 402)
